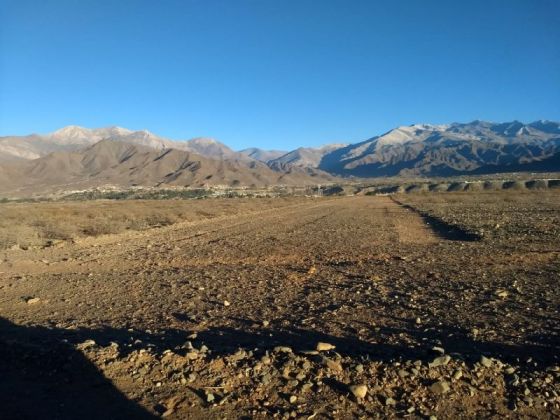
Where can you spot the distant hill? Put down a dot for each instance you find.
(308, 157)
(549, 164)
(77, 156)
(73, 138)
(111, 162)
(444, 150)
(211, 148)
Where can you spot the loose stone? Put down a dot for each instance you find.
(440, 387)
(359, 390)
(325, 346)
(440, 361)
(485, 361)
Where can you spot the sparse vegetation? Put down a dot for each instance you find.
(27, 225)
(140, 194)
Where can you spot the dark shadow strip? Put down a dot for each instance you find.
(440, 228)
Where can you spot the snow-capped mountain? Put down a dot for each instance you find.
(424, 149)
(419, 149)
(73, 138)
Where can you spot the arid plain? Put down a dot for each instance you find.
(413, 305)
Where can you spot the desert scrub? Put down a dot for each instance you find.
(38, 224)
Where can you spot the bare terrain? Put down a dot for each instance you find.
(413, 305)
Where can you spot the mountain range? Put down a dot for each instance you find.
(77, 157)
(119, 163)
(73, 138)
(443, 150)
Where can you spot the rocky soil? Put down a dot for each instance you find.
(422, 306)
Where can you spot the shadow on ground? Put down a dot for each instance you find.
(441, 228)
(455, 340)
(41, 377)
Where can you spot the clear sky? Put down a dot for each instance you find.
(275, 73)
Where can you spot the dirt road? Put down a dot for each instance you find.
(193, 320)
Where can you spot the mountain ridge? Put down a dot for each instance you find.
(415, 150)
(73, 137)
(111, 162)
(443, 150)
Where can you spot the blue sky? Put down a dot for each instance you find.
(272, 73)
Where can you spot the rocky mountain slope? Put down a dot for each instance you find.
(211, 148)
(111, 162)
(476, 147)
(418, 150)
(307, 157)
(73, 138)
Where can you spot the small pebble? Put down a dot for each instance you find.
(440, 387)
(325, 346)
(359, 390)
(31, 301)
(485, 361)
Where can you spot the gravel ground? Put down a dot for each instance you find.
(418, 306)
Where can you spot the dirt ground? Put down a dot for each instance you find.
(413, 306)
(37, 225)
